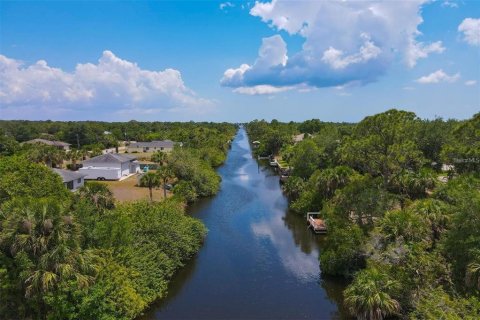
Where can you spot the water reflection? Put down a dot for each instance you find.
(259, 261)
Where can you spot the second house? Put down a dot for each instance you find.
(110, 166)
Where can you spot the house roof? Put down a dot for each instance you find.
(110, 158)
(68, 175)
(55, 143)
(299, 137)
(153, 144)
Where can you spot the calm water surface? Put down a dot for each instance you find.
(259, 261)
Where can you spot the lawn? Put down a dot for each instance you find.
(126, 190)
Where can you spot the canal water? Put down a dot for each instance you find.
(259, 261)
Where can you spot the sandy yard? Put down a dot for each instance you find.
(127, 190)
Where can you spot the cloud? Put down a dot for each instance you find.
(471, 31)
(112, 85)
(336, 59)
(419, 51)
(470, 82)
(345, 42)
(449, 4)
(225, 5)
(437, 77)
(261, 89)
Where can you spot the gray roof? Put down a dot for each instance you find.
(68, 175)
(55, 143)
(153, 144)
(110, 158)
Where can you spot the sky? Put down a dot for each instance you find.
(238, 60)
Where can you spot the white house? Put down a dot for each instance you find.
(110, 166)
(71, 179)
(153, 146)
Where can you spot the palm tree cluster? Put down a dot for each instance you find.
(160, 177)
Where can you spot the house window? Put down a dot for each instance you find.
(69, 185)
(161, 148)
(79, 180)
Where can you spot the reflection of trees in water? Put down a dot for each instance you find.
(306, 240)
(179, 279)
(334, 287)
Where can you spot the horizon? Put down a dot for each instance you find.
(235, 61)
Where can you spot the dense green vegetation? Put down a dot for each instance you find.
(191, 166)
(80, 255)
(77, 256)
(402, 229)
(107, 134)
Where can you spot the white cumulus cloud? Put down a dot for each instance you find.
(437, 77)
(470, 82)
(345, 42)
(471, 31)
(112, 84)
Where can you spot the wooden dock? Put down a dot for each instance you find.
(315, 223)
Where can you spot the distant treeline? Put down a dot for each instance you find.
(107, 134)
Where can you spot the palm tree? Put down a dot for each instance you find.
(46, 154)
(74, 156)
(294, 187)
(472, 276)
(47, 239)
(164, 174)
(150, 180)
(99, 194)
(159, 157)
(368, 297)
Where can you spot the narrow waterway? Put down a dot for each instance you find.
(259, 261)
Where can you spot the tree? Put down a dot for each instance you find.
(165, 174)
(159, 157)
(99, 194)
(435, 303)
(306, 159)
(413, 184)
(20, 177)
(293, 187)
(74, 155)
(150, 180)
(43, 239)
(464, 150)
(185, 190)
(48, 155)
(384, 145)
(370, 295)
(8, 145)
(463, 238)
(361, 201)
(342, 254)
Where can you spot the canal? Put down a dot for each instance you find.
(259, 261)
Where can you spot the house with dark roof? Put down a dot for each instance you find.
(153, 146)
(110, 166)
(55, 143)
(71, 179)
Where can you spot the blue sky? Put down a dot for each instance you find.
(182, 60)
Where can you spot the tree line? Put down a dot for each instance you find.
(82, 255)
(401, 200)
